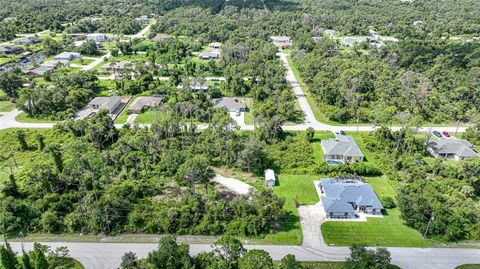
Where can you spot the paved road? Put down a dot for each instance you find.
(108, 255)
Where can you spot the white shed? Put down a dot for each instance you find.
(270, 178)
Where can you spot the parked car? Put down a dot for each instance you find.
(437, 134)
(446, 134)
(342, 132)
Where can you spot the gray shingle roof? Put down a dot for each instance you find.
(339, 196)
(343, 145)
(461, 148)
(230, 103)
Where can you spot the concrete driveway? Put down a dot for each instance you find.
(311, 218)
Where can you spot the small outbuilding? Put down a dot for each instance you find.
(270, 178)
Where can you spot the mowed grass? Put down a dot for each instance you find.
(6, 106)
(23, 117)
(387, 231)
(296, 190)
(468, 266)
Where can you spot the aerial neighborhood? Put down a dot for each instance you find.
(233, 134)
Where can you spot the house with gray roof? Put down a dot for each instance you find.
(111, 103)
(161, 38)
(144, 102)
(232, 104)
(197, 84)
(208, 55)
(67, 56)
(8, 50)
(341, 149)
(25, 41)
(451, 148)
(346, 196)
(39, 71)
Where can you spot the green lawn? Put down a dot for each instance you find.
(6, 106)
(248, 113)
(387, 231)
(317, 146)
(23, 117)
(296, 190)
(82, 62)
(468, 266)
(4, 60)
(148, 117)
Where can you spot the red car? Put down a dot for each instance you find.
(446, 134)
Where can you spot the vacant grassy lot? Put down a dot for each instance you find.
(387, 231)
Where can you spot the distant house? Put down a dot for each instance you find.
(451, 149)
(282, 42)
(341, 149)
(55, 63)
(97, 37)
(389, 39)
(8, 50)
(232, 104)
(209, 55)
(161, 38)
(143, 102)
(117, 66)
(79, 43)
(39, 71)
(111, 104)
(143, 19)
(215, 46)
(329, 32)
(25, 41)
(106, 103)
(197, 84)
(344, 197)
(270, 178)
(67, 56)
(350, 41)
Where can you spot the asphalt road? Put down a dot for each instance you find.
(108, 255)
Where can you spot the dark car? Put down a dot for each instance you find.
(446, 134)
(437, 134)
(342, 132)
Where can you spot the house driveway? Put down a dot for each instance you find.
(311, 218)
(239, 119)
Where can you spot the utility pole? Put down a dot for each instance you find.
(428, 225)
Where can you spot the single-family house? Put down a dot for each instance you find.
(232, 104)
(143, 19)
(341, 149)
(209, 55)
(270, 178)
(106, 103)
(197, 84)
(55, 63)
(329, 32)
(345, 196)
(350, 41)
(451, 148)
(67, 56)
(39, 71)
(117, 66)
(99, 38)
(25, 41)
(282, 42)
(8, 50)
(143, 102)
(215, 46)
(162, 38)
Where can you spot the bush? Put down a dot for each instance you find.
(388, 202)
